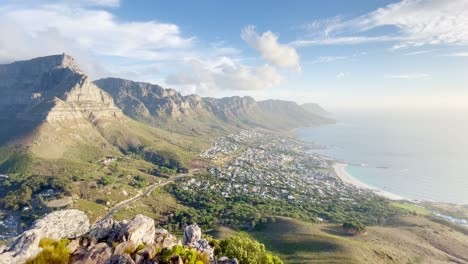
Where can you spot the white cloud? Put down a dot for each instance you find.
(419, 52)
(271, 50)
(343, 40)
(86, 34)
(415, 23)
(459, 54)
(107, 3)
(342, 75)
(204, 77)
(407, 76)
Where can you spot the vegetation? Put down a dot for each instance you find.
(247, 250)
(188, 256)
(17, 163)
(54, 252)
(247, 211)
(353, 227)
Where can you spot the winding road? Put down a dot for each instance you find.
(146, 193)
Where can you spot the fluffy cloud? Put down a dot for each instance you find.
(416, 23)
(271, 50)
(224, 74)
(86, 33)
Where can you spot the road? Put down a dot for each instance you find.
(146, 193)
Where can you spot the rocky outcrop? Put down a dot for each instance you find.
(56, 225)
(139, 230)
(111, 242)
(192, 239)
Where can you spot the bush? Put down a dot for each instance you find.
(353, 227)
(247, 251)
(54, 252)
(189, 256)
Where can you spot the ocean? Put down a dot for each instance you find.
(415, 154)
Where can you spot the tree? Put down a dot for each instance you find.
(353, 227)
(247, 251)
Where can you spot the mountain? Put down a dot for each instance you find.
(315, 109)
(57, 127)
(167, 108)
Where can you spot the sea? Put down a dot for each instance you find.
(420, 155)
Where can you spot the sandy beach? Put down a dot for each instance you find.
(340, 169)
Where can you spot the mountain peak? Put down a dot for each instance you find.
(57, 61)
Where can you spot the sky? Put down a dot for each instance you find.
(340, 54)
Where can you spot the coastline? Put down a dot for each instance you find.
(340, 170)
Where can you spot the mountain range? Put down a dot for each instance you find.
(57, 122)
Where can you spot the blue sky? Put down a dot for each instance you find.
(342, 54)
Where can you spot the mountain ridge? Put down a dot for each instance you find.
(160, 106)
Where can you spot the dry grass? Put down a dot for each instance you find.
(410, 240)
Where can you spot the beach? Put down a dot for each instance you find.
(340, 170)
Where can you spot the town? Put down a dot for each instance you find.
(270, 166)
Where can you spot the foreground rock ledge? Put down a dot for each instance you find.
(57, 225)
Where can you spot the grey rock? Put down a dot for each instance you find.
(139, 230)
(226, 260)
(123, 247)
(101, 230)
(192, 233)
(192, 239)
(163, 239)
(121, 259)
(99, 253)
(57, 225)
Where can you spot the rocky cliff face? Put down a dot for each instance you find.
(156, 105)
(51, 88)
(145, 101)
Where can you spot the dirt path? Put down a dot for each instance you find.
(137, 197)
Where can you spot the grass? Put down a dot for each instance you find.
(412, 208)
(93, 210)
(153, 206)
(410, 239)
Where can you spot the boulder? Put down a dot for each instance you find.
(226, 260)
(101, 230)
(192, 233)
(99, 253)
(121, 259)
(124, 247)
(163, 239)
(139, 230)
(57, 225)
(192, 239)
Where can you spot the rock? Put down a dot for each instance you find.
(139, 230)
(124, 248)
(101, 230)
(226, 260)
(145, 255)
(57, 225)
(99, 253)
(121, 259)
(163, 239)
(192, 239)
(73, 245)
(192, 233)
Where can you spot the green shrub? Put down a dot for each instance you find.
(353, 227)
(189, 256)
(54, 252)
(247, 251)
